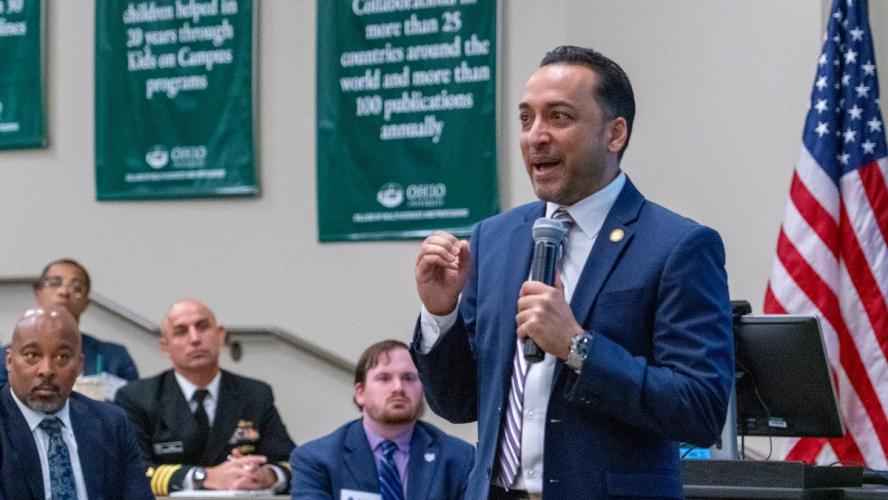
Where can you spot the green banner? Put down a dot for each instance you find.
(406, 110)
(21, 75)
(174, 102)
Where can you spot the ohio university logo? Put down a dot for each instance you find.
(390, 195)
(157, 156)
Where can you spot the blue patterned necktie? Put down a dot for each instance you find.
(61, 475)
(389, 479)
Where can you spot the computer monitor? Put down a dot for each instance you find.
(784, 386)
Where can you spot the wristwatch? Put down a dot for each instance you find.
(198, 476)
(579, 346)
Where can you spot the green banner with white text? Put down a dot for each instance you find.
(174, 99)
(21, 75)
(406, 117)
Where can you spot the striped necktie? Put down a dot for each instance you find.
(389, 480)
(510, 443)
(562, 215)
(61, 474)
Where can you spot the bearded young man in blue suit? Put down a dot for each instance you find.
(349, 462)
(636, 329)
(56, 442)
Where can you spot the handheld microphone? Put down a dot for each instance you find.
(547, 236)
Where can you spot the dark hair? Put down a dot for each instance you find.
(86, 281)
(370, 358)
(614, 92)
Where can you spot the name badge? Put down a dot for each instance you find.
(358, 495)
(168, 448)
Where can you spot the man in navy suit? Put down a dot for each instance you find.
(65, 283)
(58, 443)
(423, 462)
(636, 330)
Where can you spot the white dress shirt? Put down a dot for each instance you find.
(588, 215)
(209, 404)
(41, 439)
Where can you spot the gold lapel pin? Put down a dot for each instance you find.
(616, 235)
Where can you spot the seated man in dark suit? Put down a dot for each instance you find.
(388, 451)
(65, 283)
(57, 443)
(201, 427)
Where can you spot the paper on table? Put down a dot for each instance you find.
(101, 386)
(223, 493)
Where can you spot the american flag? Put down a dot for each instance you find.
(831, 252)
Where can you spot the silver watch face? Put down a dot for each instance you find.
(574, 361)
(577, 354)
(200, 474)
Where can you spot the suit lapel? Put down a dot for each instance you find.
(521, 243)
(177, 416)
(605, 253)
(22, 450)
(87, 430)
(609, 245)
(423, 463)
(358, 459)
(228, 410)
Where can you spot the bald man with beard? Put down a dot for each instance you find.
(57, 443)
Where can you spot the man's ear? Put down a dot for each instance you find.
(618, 134)
(359, 395)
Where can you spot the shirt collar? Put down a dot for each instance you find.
(188, 388)
(33, 418)
(589, 213)
(402, 439)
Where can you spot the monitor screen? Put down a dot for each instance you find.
(784, 387)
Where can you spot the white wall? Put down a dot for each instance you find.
(722, 89)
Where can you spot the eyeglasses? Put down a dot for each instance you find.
(76, 288)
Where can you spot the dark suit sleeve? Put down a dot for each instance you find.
(466, 467)
(4, 376)
(310, 480)
(448, 370)
(139, 420)
(127, 369)
(2, 445)
(681, 392)
(275, 442)
(136, 483)
(163, 477)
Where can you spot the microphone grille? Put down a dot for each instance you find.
(548, 231)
